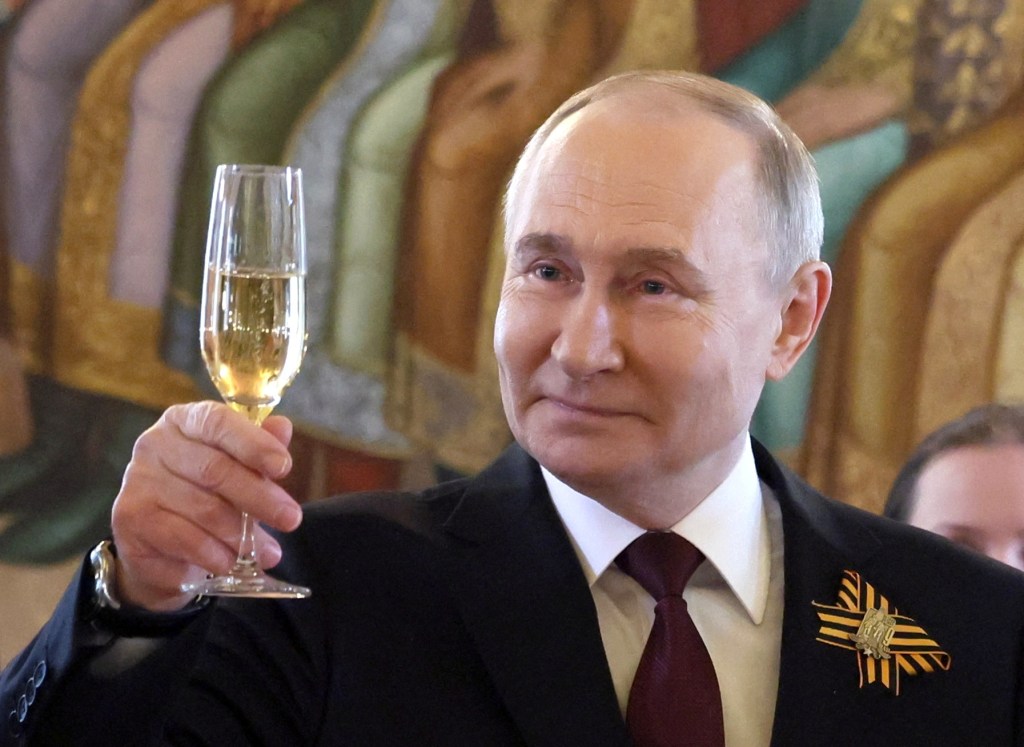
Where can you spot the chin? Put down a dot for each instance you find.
(583, 467)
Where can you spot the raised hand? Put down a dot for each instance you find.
(176, 517)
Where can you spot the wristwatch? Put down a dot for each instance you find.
(126, 619)
(103, 563)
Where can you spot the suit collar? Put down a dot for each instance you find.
(729, 526)
(810, 517)
(526, 603)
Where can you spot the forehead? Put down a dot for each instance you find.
(627, 165)
(971, 480)
(979, 465)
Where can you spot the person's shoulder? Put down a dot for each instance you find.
(907, 549)
(900, 547)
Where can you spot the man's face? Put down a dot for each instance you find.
(974, 495)
(636, 326)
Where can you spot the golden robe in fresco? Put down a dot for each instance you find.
(884, 378)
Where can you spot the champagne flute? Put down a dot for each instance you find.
(253, 328)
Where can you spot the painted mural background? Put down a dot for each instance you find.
(406, 117)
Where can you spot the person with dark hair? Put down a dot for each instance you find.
(965, 481)
(635, 569)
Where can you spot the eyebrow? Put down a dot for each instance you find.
(557, 243)
(661, 254)
(542, 243)
(685, 268)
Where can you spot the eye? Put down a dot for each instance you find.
(653, 288)
(547, 272)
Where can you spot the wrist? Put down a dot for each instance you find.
(108, 610)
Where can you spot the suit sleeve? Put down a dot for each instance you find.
(238, 672)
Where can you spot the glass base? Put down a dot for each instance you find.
(246, 581)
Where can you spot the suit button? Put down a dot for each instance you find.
(30, 691)
(13, 724)
(22, 709)
(40, 673)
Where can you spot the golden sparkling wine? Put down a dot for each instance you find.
(253, 324)
(254, 344)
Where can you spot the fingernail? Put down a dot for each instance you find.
(281, 467)
(288, 517)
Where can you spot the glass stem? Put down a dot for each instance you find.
(246, 560)
(247, 544)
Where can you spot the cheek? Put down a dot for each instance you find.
(501, 330)
(517, 341)
(712, 379)
(693, 363)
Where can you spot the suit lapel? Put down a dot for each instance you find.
(818, 548)
(526, 603)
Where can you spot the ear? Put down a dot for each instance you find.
(806, 297)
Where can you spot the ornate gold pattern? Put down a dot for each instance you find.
(967, 61)
(863, 432)
(16, 424)
(101, 344)
(861, 474)
(877, 50)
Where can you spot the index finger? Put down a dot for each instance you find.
(217, 425)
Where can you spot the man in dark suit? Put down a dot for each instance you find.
(662, 233)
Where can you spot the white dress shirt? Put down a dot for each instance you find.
(735, 598)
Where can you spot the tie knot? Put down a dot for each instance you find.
(661, 562)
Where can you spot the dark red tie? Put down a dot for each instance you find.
(675, 698)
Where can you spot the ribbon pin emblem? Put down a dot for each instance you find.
(887, 643)
(874, 634)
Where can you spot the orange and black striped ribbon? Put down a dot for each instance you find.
(911, 649)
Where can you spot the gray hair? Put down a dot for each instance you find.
(790, 208)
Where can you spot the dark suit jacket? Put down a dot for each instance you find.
(461, 616)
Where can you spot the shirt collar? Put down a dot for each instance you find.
(729, 526)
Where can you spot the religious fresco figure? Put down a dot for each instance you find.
(866, 410)
(483, 108)
(50, 457)
(15, 409)
(352, 144)
(850, 110)
(406, 117)
(247, 115)
(88, 286)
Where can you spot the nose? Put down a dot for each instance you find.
(588, 340)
